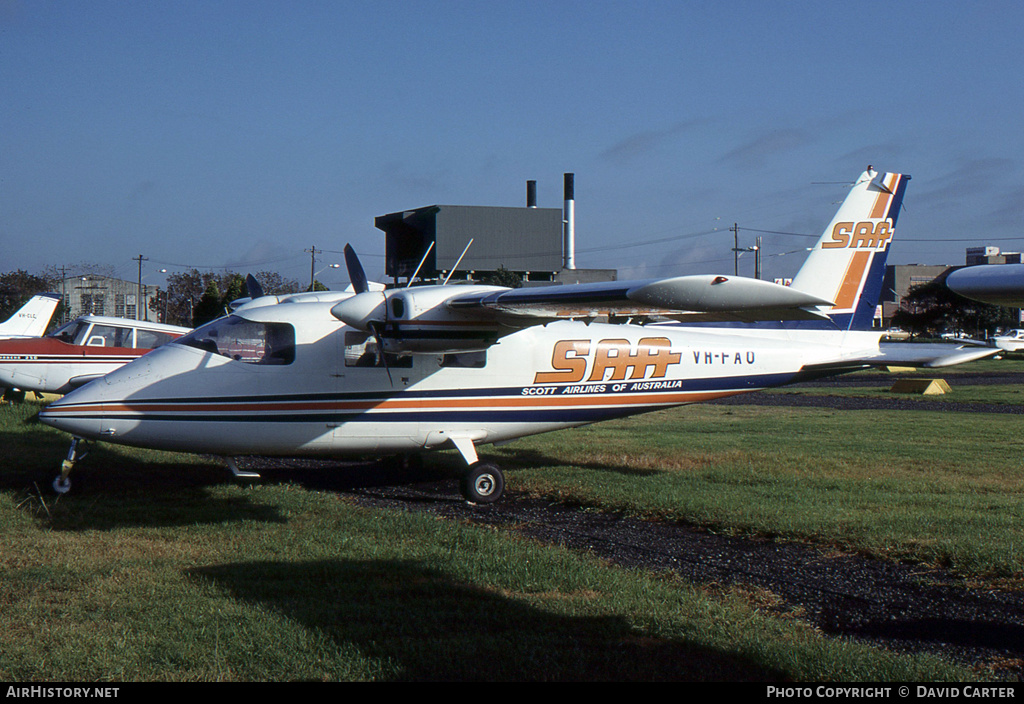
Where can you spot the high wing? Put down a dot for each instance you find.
(431, 319)
(687, 298)
(836, 290)
(1000, 284)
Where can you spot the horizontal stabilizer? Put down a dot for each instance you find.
(929, 355)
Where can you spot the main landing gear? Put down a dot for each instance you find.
(483, 482)
(62, 484)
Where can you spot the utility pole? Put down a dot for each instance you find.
(735, 249)
(138, 303)
(63, 295)
(312, 263)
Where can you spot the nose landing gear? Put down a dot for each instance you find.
(62, 484)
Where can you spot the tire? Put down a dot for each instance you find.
(483, 483)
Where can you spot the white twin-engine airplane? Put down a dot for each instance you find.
(32, 318)
(470, 365)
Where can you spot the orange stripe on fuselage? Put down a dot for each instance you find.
(441, 404)
(846, 297)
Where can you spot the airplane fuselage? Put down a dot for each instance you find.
(47, 365)
(325, 401)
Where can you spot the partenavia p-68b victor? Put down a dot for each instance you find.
(405, 370)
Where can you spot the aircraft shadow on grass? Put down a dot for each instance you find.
(437, 628)
(961, 632)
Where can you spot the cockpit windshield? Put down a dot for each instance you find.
(245, 340)
(70, 332)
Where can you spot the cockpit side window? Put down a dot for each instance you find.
(109, 336)
(245, 340)
(150, 339)
(71, 332)
(361, 351)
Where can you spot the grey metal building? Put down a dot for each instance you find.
(92, 294)
(468, 242)
(523, 240)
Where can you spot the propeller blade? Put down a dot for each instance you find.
(253, 287)
(375, 328)
(356, 275)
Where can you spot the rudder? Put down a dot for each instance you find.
(847, 264)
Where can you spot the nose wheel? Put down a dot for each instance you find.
(62, 484)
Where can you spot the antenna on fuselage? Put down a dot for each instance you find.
(459, 261)
(422, 260)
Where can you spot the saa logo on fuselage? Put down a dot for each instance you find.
(860, 235)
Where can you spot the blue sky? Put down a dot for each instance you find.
(241, 134)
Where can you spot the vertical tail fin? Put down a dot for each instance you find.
(32, 318)
(847, 264)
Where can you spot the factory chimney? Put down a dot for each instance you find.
(531, 194)
(568, 223)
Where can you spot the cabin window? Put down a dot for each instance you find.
(465, 360)
(361, 351)
(150, 339)
(245, 340)
(109, 336)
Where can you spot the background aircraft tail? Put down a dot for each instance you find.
(32, 318)
(847, 264)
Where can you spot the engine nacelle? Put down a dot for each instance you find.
(418, 320)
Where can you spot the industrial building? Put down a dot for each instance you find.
(474, 243)
(92, 294)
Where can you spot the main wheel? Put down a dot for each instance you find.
(483, 483)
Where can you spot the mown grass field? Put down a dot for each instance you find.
(158, 566)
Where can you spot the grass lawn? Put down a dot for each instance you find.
(158, 567)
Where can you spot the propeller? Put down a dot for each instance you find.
(365, 310)
(253, 287)
(356, 275)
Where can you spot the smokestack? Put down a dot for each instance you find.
(569, 217)
(531, 194)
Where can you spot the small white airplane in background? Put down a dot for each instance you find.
(1012, 341)
(403, 371)
(32, 318)
(82, 350)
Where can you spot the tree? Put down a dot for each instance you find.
(504, 277)
(210, 306)
(16, 287)
(274, 284)
(178, 304)
(234, 290)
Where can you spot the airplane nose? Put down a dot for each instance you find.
(75, 414)
(84, 412)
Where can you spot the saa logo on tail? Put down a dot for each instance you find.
(860, 235)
